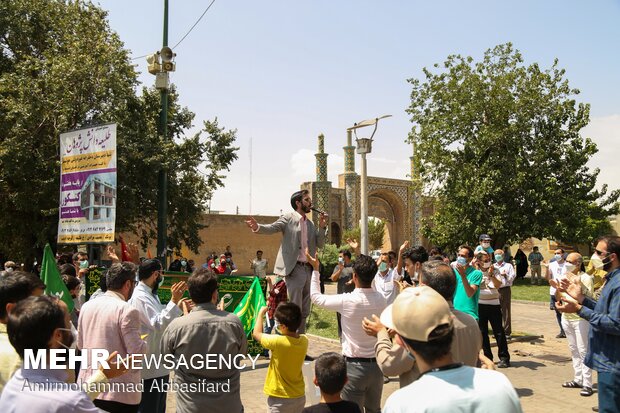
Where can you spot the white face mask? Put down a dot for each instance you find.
(486, 244)
(486, 265)
(569, 267)
(597, 262)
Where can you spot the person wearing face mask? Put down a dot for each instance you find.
(535, 259)
(231, 267)
(159, 316)
(394, 360)
(507, 274)
(221, 268)
(48, 317)
(603, 353)
(10, 266)
(468, 279)
(489, 308)
(343, 274)
(384, 280)
(111, 322)
(413, 258)
(555, 272)
(485, 245)
(576, 328)
(598, 274)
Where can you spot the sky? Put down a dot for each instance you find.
(283, 72)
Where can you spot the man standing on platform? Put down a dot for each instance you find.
(298, 233)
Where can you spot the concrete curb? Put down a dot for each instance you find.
(328, 340)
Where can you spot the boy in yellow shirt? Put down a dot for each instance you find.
(284, 383)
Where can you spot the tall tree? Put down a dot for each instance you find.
(498, 144)
(61, 68)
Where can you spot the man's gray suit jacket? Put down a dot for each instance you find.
(288, 254)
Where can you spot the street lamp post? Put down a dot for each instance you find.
(160, 64)
(364, 146)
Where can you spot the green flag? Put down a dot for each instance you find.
(249, 305)
(54, 285)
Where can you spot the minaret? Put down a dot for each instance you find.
(351, 189)
(320, 197)
(416, 186)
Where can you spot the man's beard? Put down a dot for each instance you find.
(156, 285)
(306, 208)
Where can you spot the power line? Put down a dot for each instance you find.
(197, 21)
(186, 34)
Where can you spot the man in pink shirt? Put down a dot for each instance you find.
(109, 322)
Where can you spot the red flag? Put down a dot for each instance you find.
(124, 251)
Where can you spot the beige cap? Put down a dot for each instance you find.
(416, 312)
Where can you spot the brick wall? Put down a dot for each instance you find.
(223, 230)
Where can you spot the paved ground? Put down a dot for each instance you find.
(539, 367)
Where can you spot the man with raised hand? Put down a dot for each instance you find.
(159, 316)
(298, 233)
(604, 317)
(424, 326)
(365, 384)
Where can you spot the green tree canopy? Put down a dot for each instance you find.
(498, 144)
(376, 231)
(61, 68)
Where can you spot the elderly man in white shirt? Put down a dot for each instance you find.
(158, 316)
(507, 275)
(365, 383)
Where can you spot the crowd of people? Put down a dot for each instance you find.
(414, 314)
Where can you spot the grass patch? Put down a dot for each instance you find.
(322, 323)
(522, 289)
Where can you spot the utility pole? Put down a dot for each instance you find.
(162, 187)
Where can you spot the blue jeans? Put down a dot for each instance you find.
(608, 392)
(154, 400)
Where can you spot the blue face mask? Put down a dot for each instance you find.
(383, 267)
(462, 261)
(499, 257)
(183, 263)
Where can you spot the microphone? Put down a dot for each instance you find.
(318, 211)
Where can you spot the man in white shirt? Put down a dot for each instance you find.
(259, 265)
(383, 281)
(555, 272)
(507, 274)
(365, 383)
(146, 301)
(424, 327)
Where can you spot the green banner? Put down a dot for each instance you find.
(231, 288)
(54, 285)
(247, 309)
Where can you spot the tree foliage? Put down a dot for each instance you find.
(497, 143)
(61, 68)
(376, 232)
